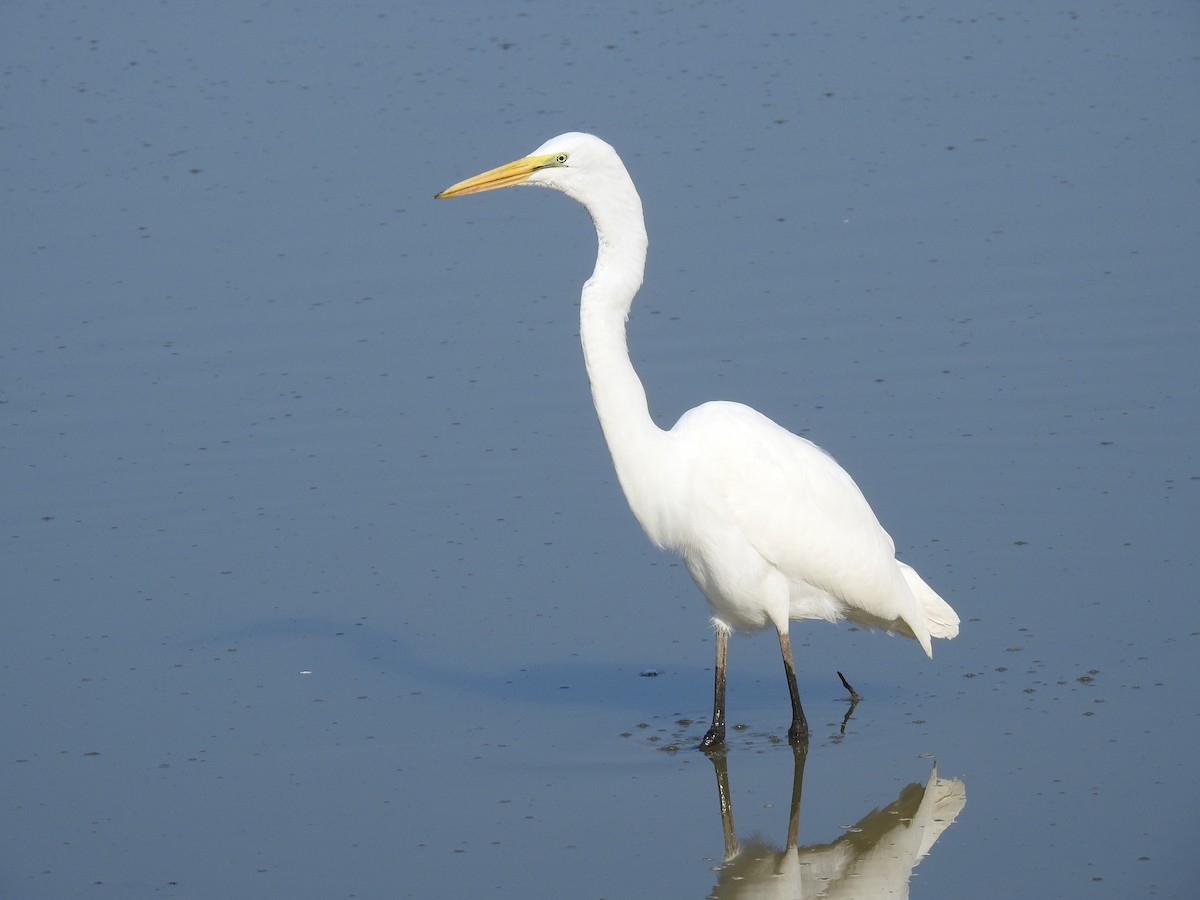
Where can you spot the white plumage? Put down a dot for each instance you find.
(770, 527)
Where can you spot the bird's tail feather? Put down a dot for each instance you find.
(940, 618)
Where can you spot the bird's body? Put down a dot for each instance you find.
(777, 530)
(770, 527)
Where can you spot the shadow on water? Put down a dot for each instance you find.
(873, 858)
(565, 680)
(571, 681)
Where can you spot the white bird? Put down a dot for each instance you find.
(769, 526)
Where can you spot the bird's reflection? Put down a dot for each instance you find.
(874, 858)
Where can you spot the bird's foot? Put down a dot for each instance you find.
(714, 738)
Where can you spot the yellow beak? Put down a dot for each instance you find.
(502, 176)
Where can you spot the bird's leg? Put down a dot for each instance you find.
(715, 736)
(798, 732)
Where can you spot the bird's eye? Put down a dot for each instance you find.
(561, 158)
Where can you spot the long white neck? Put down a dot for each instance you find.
(637, 445)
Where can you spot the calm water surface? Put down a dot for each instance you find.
(317, 579)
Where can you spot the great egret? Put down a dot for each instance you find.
(769, 526)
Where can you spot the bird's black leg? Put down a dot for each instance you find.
(798, 732)
(715, 736)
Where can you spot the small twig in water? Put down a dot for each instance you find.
(855, 696)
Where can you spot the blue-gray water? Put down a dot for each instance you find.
(316, 579)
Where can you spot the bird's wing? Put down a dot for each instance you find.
(799, 509)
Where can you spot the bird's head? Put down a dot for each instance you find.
(571, 163)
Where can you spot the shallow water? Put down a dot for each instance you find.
(318, 582)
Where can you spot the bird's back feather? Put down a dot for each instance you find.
(749, 479)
